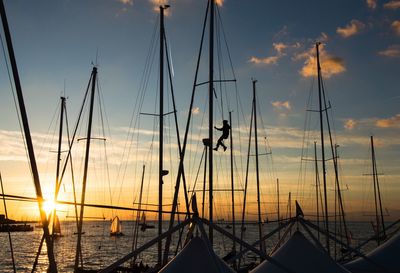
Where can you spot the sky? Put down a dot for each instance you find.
(58, 42)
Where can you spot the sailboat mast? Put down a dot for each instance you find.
(139, 213)
(322, 146)
(379, 197)
(211, 117)
(59, 144)
(58, 158)
(161, 131)
(85, 170)
(28, 139)
(316, 183)
(377, 194)
(278, 212)
(232, 184)
(257, 167)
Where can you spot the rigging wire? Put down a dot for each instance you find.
(8, 231)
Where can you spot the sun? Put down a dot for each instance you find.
(48, 206)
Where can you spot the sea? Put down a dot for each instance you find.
(100, 250)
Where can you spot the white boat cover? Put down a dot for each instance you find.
(196, 257)
(384, 258)
(300, 256)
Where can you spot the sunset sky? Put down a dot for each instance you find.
(57, 42)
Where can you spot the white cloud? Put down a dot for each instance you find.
(351, 29)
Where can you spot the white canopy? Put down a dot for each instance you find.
(196, 257)
(301, 256)
(384, 258)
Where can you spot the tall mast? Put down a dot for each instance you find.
(138, 215)
(161, 131)
(85, 170)
(279, 212)
(24, 117)
(377, 194)
(211, 117)
(322, 146)
(58, 158)
(339, 192)
(257, 170)
(232, 185)
(243, 228)
(59, 144)
(316, 183)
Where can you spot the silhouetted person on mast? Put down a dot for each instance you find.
(225, 134)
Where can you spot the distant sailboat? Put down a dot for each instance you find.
(143, 224)
(116, 229)
(57, 228)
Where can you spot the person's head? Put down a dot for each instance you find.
(225, 121)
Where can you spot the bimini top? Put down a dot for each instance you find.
(299, 255)
(384, 258)
(196, 257)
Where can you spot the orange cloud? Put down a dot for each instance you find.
(396, 26)
(351, 29)
(279, 48)
(219, 2)
(157, 4)
(350, 124)
(267, 60)
(330, 65)
(196, 111)
(126, 2)
(393, 122)
(392, 51)
(281, 105)
(371, 4)
(395, 4)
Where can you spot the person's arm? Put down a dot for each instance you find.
(219, 129)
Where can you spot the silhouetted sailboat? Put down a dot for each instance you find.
(57, 228)
(116, 228)
(143, 224)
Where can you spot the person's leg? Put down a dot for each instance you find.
(219, 143)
